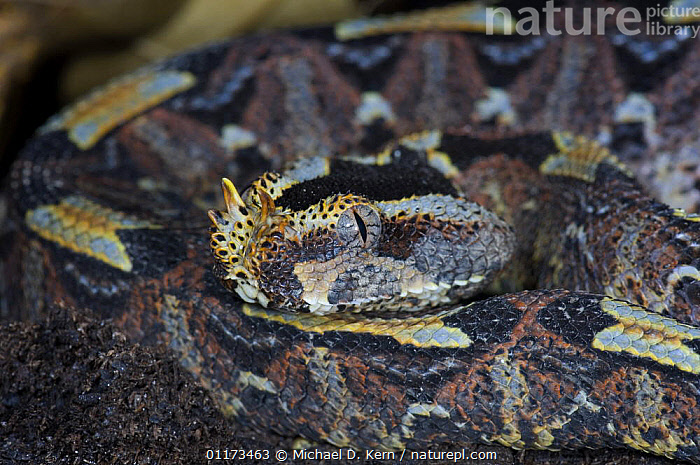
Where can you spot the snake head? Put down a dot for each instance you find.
(307, 242)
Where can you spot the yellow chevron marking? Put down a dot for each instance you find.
(428, 331)
(85, 227)
(100, 112)
(443, 163)
(374, 107)
(648, 394)
(578, 157)
(420, 141)
(679, 212)
(648, 335)
(472, 17)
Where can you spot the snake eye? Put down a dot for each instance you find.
(359, 226)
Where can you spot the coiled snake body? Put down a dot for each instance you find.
(110, 199)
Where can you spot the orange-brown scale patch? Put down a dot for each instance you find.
(428, 83)
(272, 262)
(568, 73)
(166, 142)
(541, 394)
(400, 233)
(399, 236)
(304, 389)
(301, 105)
(633, 396)
(516, 192)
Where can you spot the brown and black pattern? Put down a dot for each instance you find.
(533, 369)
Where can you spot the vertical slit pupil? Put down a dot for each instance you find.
(361, 226)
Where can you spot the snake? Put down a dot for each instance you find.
(414, 260)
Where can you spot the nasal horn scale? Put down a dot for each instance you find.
(231, 196)
(236, 209)
(230, 236)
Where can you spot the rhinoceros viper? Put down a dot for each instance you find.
(110, 199)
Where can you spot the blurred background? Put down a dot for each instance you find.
(53, 51)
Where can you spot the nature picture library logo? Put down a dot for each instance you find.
(659, 20)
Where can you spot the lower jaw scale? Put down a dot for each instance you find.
(247, 292)
(319, 308)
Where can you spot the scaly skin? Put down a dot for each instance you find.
(110, 200)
